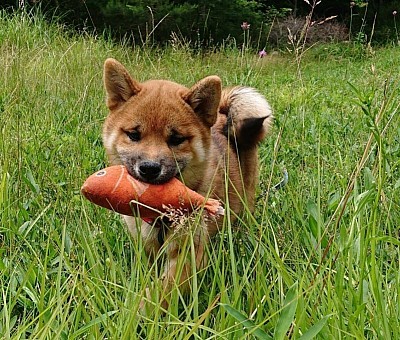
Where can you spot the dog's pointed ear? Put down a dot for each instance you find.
(118, 83)
(204, 98)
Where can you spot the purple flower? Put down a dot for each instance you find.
(262, 53)
(245, 26)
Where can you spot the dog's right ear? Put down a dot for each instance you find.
(118, 83)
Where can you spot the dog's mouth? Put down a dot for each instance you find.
(154, 172)
(154, 175)
(150, 179)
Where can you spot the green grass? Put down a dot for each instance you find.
(319, 258)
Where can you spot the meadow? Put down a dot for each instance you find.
(318, 259)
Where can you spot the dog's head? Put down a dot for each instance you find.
(158, 129)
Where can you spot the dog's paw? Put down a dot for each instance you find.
(146, 306)
(152, 303)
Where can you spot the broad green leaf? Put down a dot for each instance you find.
(288, 312)
(244, 320)
(397, 184)
(388, 239)
(313, 331)
(92, 323)
(31, 182)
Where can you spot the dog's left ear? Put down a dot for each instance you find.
(204, 98)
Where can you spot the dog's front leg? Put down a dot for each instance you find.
(184, 248)
(148, 234)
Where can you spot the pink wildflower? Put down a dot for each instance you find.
(262, 53)
(245, 26)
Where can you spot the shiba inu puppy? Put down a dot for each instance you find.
(204, 135)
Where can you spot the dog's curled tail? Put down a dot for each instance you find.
(249, 116)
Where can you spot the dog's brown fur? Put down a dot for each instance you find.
(204, 135)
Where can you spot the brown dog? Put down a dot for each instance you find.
(204, 135)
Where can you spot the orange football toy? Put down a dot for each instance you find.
(115, 189)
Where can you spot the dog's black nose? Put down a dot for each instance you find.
(149, 171)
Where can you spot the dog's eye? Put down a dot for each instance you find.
(134, 135)
(175, 140)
